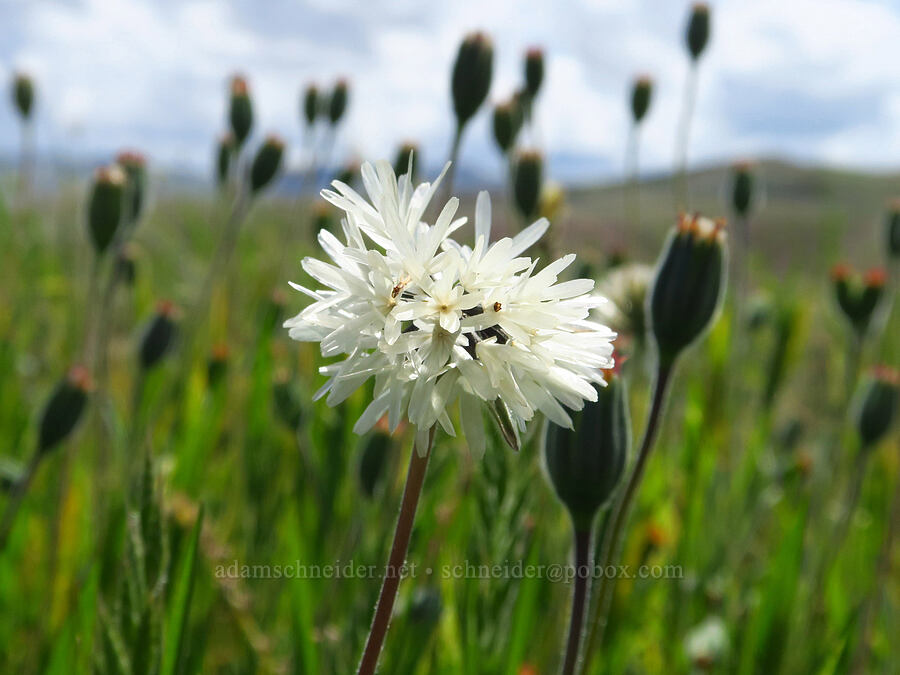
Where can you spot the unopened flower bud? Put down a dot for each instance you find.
(585, 463)
(507, 124)
(135, 166)
(64, 409)
(106, 205)
(742, 188)
(698, 29)
(534, 71)
(406, 152)
(323, 217)
(159, 336)
(877, 405)
(348, 173)
(266, 163)
(23, 95)
(528, 177)
(337, 102)
(688, 288)
(287, 403)
(217, 366)
(426, 607)
(125, 267)
(373, 462)
(225, 149)
(641, 93)
(892, 230)
(472, 73)
(310, 105)
(857, 296)
(240, 111)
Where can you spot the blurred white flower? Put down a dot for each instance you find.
(433, 321)
(625, 286)
(706, 643)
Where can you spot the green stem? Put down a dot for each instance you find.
(415, 478)
(612, 539)
(580, 593)
(454, 160)
(16, 497)
(682, 194)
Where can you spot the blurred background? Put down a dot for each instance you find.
(808, 81)
(159, 169)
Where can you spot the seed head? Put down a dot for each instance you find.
(337, 102)
(266, 163)
(877, 405)
(742, 188)
(310, 104)
(698, 30)
(23, 95)
(159, 336)
(585, 463)
(106, 205)
(472, 72)
(240, 113)
(507, 122)
(534, 71)
(64, 409)
(407, 160)
(135, 166)
(528, 177)
(858, 296)
(641, 94)
(689, 285)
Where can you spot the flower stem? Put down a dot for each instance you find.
(580, 594)
(16, 496)
(415, 478)
(682, 194)
(612, 539)
(454, 159)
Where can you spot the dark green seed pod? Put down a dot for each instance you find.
(225, 150)
(217, 365)
(348, 174)
(402, 165)
(426, 606)
(125, 265)
(534, 71)
(266, 163)
(528, 178)
(135, 166)
(585, 463)
(641, 94)
(337, 102)
(507, 120)
(698, 30)
(877, 405)
(64, 409)
(892, 230)
(240, 111)
(310, 104)
(472, 72)
(287, 403)
(373, 462)
(858, 297)
(742, 188)
(23, 95)
(689, 285)
(106, 206)
(159, 336)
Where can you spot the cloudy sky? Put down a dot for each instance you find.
(813, 80)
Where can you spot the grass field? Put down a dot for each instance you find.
(744, 504)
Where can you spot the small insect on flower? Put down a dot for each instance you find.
(434, 321)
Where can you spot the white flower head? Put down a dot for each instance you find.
(435, 322)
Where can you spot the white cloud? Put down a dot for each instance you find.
(812, 78)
